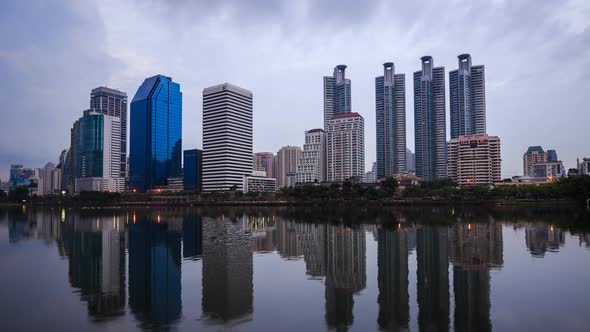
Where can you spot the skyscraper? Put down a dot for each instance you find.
(467, 98)
(113, 102)
(156, 133)
(533, 155)
(227, 137)
(429, 121)
(345, 147)
(287, 162)
(336, 94)
(312, 164)
(97, 153)
(390, 107)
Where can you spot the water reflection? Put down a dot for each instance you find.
(333, 253)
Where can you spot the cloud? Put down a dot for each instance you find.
(536, 55)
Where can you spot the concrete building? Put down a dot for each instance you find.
(113, 102)
(49, 180)
(475, 159)
(312, 163)
(98, 153)
(287, 161)
(533, 155)
(467, 98)
(429, 121)
(390, 111)
(552, 170)
(227, 137)
(337, 95)
(265, 161)
(258, 182)
(370, 177)
(552, 155)
(584, 166)
(345, 147)
(410, 161)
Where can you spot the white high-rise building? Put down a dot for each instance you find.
(345, 147)
(312, 164)
(46, 180)
(287, 161)
(475, 159)
(227, 137)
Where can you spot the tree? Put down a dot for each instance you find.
(389, 185)
(18, 194)
(3, 196)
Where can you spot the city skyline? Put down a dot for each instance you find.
(513, 96)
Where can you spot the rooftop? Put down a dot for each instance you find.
(347, 115)
(536, 148)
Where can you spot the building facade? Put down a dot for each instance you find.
(227, 137)
(258, 182)
(193, 170)
(429, 121)
(467, 98)
(265, 161)
(552, 170)
(312, 163)
(287, 162)
(345, 147)
(113, 102)
(97, 153)
(390, 111)
(156, 133)
(337, 96)
(475, 159)
(533, 155)
(584, 166)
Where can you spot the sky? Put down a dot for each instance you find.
(52, 53)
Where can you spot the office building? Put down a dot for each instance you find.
(475, 159)
(467, 98)
(156, 133)
(337, 97)
(429, 121)
(345, 147)
(97, 153)
(552, 170)
(533, 155)
(227, 137)
(49, 180)
(265, 161)
(113, 102)
(193, 170)
(390, 107)
(584, 166)
(287, 161)
(410, 161)
(312, 163)
(552, 155)
(258, 182)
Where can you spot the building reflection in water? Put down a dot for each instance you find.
(433, 278)
(192, 237)
(155, 269)
(345, 272)
(312, 239)
(95, 248)
(475, 248)
(227, 270)
(541, 238)
(393, 246)
(262, 229)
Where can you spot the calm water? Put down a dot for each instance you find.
(427, 269)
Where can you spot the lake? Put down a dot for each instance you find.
(295, 269)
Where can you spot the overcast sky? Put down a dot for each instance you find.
(52, 53)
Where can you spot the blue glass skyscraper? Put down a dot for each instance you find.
(155, 133)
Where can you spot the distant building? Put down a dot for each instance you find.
(193, 170)
(390, 111)
(258, 182)
(345, 147)
(584, 166)
(552, 155)
(49, 179)
(533, 155)
(551, 170)
(265, 161)
(156, 133)
(113, 102)
(227, 137)
(97, 153)
(312, 163)
(287, 161)
(337, 94)
(370, 177)
(467, 98)
(410, 161)
(475, 159)
(429, 121)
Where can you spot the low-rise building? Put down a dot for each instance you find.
(258, 182)
(584, 166)
(551, 170)
(114, 184)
